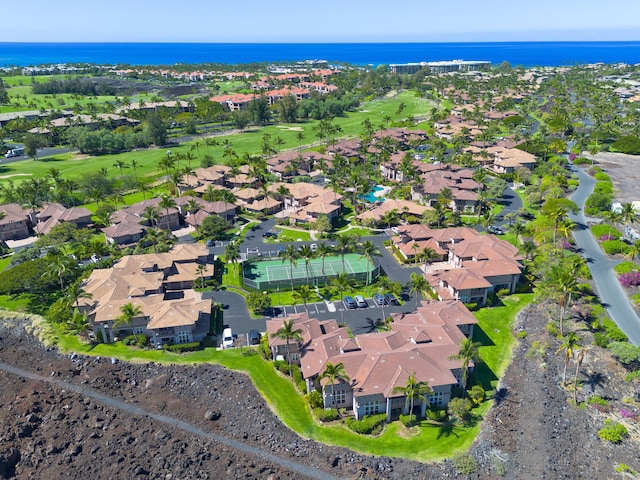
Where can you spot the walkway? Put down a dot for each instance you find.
(601, 266)
(111, 402)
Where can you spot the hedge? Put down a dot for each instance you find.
(601, 230)
(326, 414)
(368, 425)
(184, 347)
(602, 177)
(614, 247)
(625, 267)
(408, 421)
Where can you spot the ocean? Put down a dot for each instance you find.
(516, 53)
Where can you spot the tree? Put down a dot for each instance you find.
(290, 254)
(76, 292)
(306, 254)
(128, 312)
(156, 130)
(517, 228)
(151, 215)
(322, 225)
(579, 360)
(569, 345)
(563, 281)
(323, 251)
(467, 353)
(232, 253)
(214, 227)
(59, 266)
(31, 145)
(369, 250)
(304, 294)
(258, 302)
(428, 255)
(345, 244)
(418, 285)
(413, 390)
(334, 373)
(341, 282)
(628, 212)
(288, 333)
(121, 165)
(201, 270)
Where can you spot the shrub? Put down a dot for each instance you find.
(326, 414)
(296, 374)
(302, 386)
(368, 425)
(464, 463)
(614, 247)
(314, 399)
(630, 279)
(281, 366)
(601, 340)
(503, 292)
(408, 420)
(624, 352)
(477, 394)
(602, 177)
(522, 334)
(581, 161)
(460, 408)
(625, 267)
(184, 347)
(596, 400)
(613, 432)
(631, 376)
(436, 414)
(603, 187)
(626, 413)
(600, 230)
(613, 331)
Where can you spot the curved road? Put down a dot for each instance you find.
(111, 402)
(601, 266)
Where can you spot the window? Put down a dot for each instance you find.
(371, 408)
(138, 330)
(437, 398)
(183, 337)
(294, 357)
(339, 396)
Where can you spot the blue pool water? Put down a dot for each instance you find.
(371, 198)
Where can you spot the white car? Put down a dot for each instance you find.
(313, 247)
(227, 338)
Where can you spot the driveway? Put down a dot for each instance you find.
(235, 313)
(601, 266)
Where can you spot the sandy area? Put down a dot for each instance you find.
(293, 129)
(624, 171)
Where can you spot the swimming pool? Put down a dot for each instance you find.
(371, 197)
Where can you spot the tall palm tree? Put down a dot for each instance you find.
(323, 251)
(418, 285)
(345, 244)
(76, 292)
(569, 345)
(628, 212)
(306, 254)
(288, 333)
(557, 215)
(428, 255)
(413, 390)
(121, 165)
(369, 250)
(334, 373)
(468, 353)
(517, 228)
(304, 294)
(201, 270)
(151, 214)
(579, 360)
(633, 251)
(564, 282)
(128, 312)
(58, 267)
(341, 282)
(166, 202)
(290, 254)
(232, 253)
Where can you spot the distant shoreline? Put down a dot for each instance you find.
(527, 54)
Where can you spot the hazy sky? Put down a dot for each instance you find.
(322, 21)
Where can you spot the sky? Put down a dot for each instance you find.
(318, 22)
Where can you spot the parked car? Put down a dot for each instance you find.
(227, 338)
(313, 247)
(210, 243)
(269, 235)
(254, 337)
(390, 299)
(495, 230)
(349, 303)
(361, 302)
(378, 299)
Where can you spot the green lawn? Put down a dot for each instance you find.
(294, 234)
(434, 442)
(15, 303)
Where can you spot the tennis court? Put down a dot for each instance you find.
(271, 274)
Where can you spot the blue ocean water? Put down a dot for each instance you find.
(517, 53)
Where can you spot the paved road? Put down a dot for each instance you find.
(601, 266)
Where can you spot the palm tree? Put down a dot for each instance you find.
(517, 229)
(633, 251)
(76, 292)
(563, 280)
(468, 353)
(288, 333)
(411, 390)
(579, 360)
(428, 255)
(569, 345)
(341, 282)
(369, 250)
(306, 254)
(528, 247)
(323, 251)
(232, 253)
(166, 202)
(151, 214)
(345, 244)
(418, 285)
(128, 312)
(334, 373)
(134, 165)
(290, 254)
(557, 215)
(201, 270)
(390, 218)
(121, 165)
(59, 266)
(304, 294)
(628, 212)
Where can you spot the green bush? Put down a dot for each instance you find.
(602, 177)
(596, 400)
(603, 187)
(601, 230)
(613, 331)
(184, 347)
(601, 339)
(296, 374)
(281, 366)
(581, 161)
(625, 267)
(314, 399)
(614, 247)
(631, 376)
(408, 420)
(302, 386)
(464, 463)
(612, 431)
(624, 352)
(134, 340)
(326, 414)
(436, 414)
(477, 394)
(503, 292)
(368, 425)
